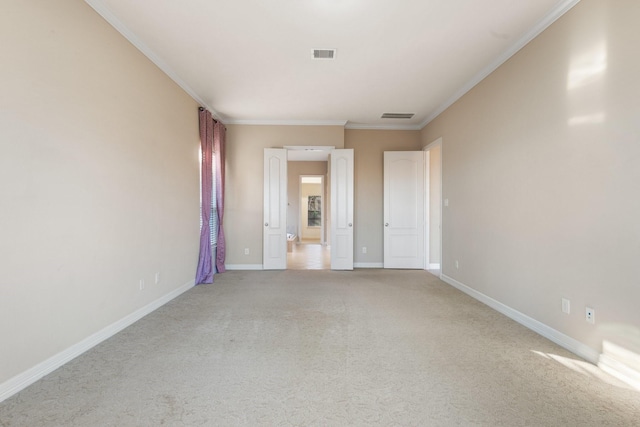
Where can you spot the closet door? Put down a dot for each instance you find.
(404, 209)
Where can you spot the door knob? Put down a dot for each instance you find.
(350, 224)
(266, 224)
(386, 224)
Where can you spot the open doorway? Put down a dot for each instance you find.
(307, 215)
(433, 202)
(281, 206)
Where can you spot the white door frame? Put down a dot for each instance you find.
(438, 232)
(427, 201)
(283, 207)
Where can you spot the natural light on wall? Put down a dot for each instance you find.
(585, 81)
(588, 67)
(621, 362)
(586, 119)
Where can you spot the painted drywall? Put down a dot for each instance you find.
(541, 167)
(244, 188)
(294, 170)
(98, 177)
(369, 147)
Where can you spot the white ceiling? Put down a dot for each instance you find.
(249, 61)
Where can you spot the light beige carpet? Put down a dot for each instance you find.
(298, 348)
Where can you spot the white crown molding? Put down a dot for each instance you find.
(343, 123)
(107, 15)
(550, 18)
(361, 126)
(30, 376)
(258, 122)
(565, 341)
(542, 25)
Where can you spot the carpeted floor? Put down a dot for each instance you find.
(299, 348)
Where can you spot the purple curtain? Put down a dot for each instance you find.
(204, 274)
(218, 146)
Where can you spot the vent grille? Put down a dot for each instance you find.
(323, 53)
(397, 115)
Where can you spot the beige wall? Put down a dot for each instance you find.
(98, 177)
(541, 165)
(294, 171)
(244, 189)
(243, 203)
(369, 147)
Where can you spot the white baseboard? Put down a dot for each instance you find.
(435, 266)
(243, 266)
(368, 265)
(231, 267)
(25, 379)
(551, 334)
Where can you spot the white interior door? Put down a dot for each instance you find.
(274, 238)
(404, 209)
(341, 177)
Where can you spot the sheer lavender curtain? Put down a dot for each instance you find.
(204, 273)
(219, 134)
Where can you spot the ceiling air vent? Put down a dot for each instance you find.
(397, 115)
(323, 53)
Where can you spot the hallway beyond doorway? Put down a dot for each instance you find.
(309, 257)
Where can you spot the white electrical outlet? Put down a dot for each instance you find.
(566, 306)
(364, 249)
(157, 278)
(141, 284)
(246, 251)
(457, 265)
(590, 315)
(446, 202)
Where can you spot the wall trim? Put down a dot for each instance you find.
(101, 8)
(540, 328)
(382, 126)
(231, 267)
(259, 122)
(551, 17)
(343, 123)
(368, 265)
(243, 267)
(30, 376)
(434, 266)
(107, 15)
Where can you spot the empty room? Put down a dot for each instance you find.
(319, 212)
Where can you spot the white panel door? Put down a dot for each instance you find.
(274, 239)
(404, 209)
(341, 209)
